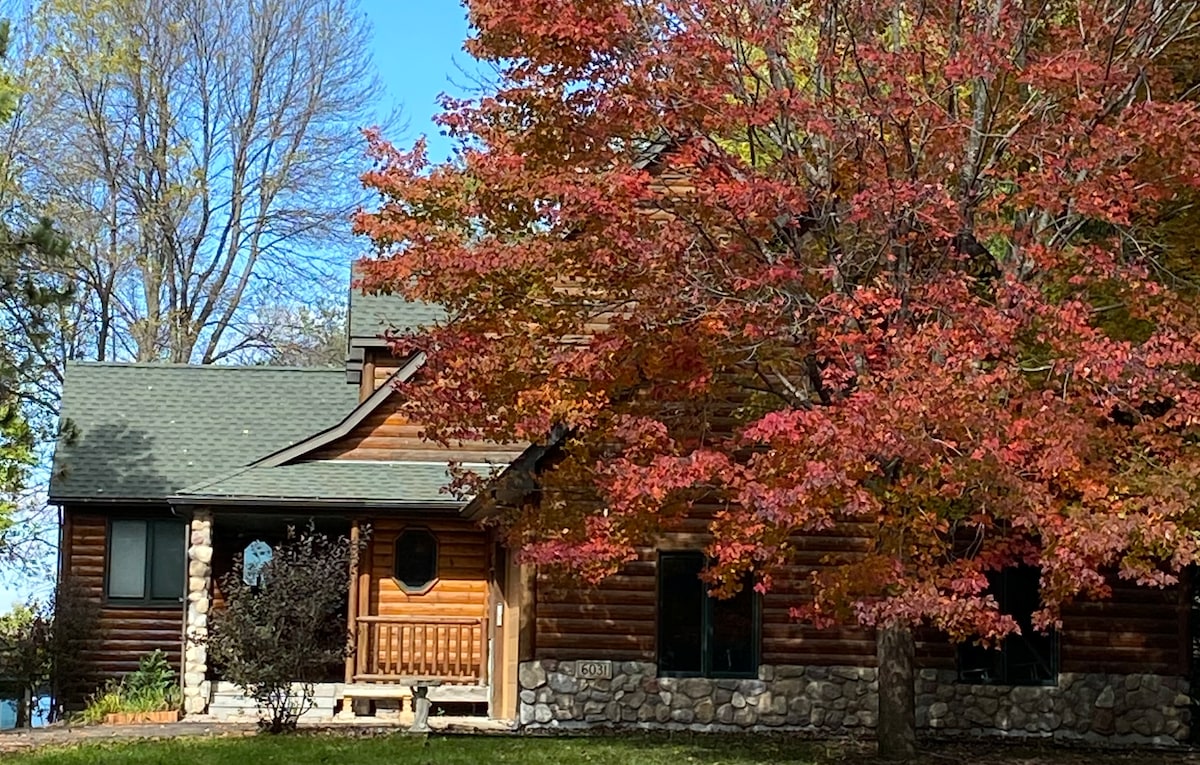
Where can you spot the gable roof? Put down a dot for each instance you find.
(334, 482)
(141, 432)
(314, 441)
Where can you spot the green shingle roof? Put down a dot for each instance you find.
(145, 431)
(371, 315)
(339, 481)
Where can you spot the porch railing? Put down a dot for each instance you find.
(451, 649)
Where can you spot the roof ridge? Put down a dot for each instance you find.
(222, 367)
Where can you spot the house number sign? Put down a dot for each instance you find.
(594, 670)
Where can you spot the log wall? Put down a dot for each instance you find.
(1138, 630)
(462, 585)
(387, 434)
(123, 633)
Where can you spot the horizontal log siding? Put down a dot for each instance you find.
(1137, 630)
(617, 619)
(461, 589)
(123, 634)
(388, 435)
(385, 366)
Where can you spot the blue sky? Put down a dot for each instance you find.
(418, 48)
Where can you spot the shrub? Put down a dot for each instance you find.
(152, 687)
(40, 646)
(275, 640)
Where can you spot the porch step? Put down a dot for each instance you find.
(446, 694)
(227, 703)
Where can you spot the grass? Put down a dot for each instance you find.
(436, 750)
(628, 749)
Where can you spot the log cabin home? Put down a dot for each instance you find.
(166, 474)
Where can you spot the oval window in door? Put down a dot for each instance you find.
(254, 558)
(416, 560)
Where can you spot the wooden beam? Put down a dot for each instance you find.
(366, 386)
(364, 608)
(527, 616)
(352, 609)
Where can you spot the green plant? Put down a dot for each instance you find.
(153, 675)
(152, 687)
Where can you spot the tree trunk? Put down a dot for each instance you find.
(897, 731)
(23, 718)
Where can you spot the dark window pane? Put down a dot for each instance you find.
(1028, 656)
(978, 664)
(127, 560)
(1026, 659)
(681, 602)
(167, 564)
(733, 633)
(416, 558)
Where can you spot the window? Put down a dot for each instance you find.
(146, 560)
(698, 634)
(256, 555)
(1030, 658)
(416, 560)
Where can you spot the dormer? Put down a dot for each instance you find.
(369, 359)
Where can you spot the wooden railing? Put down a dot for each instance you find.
(451, 649)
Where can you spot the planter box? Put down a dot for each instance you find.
(135, 718)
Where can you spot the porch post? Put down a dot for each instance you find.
(352, 609)
(195, 656)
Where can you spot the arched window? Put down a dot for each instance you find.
(416, 560)
(256, 555)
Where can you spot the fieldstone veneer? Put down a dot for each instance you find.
(195, 653)
(1133, 709)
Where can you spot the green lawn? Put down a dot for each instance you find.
(458, 750)
(626, 749)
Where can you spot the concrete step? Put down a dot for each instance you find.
(227, 703)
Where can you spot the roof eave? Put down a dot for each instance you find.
(520, 470)
(60, 500)
(187, 500)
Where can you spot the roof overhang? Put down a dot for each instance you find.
(452, 509)
(352, 420)
(60, 500)
(517, 481)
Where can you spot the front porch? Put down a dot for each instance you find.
(417, 614)
(448, 656)
(450, 649)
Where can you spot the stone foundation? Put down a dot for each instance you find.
(195, 653)
(843, 701)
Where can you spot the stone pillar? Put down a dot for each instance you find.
(195, 654)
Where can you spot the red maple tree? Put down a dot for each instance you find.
(876, 264)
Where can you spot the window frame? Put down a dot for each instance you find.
(706, 627)
(973, 677)
(406, 588)
(147, 600)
